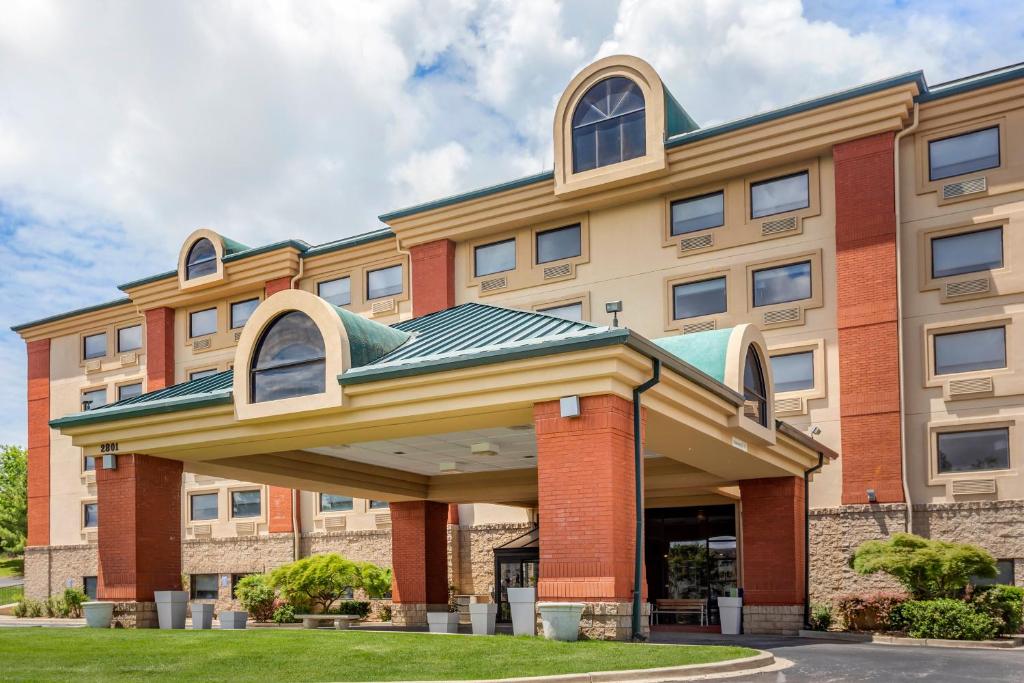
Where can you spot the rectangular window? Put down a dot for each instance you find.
(90, 515)
(204, 586)
(698, 213)
(1004, 575)
(779, 195)
(572, 312)
(199, 374)
(497, 257)
(969, 351)
(245, 503)
(974, 451)
(793, 371)
(89, 584)
(202, 323)
(337, 292)
(560, 243)
(93, 399)
(965, 153)
(126, 391)
(694, 299)
(202, 506)
(129, 338)
(968, 252)
(384, 282)
(781, 284)
(332, 503)
(240, 312)
(378, 504)
(94, 346)
(89, 463)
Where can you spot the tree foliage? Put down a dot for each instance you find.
(318, 580)
(927, 569)
(13, 498)
(376, 580)
(256, 595)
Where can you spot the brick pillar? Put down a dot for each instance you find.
(280, 284)
(772, 522)
(419, 560)
(139, 534)
(38, 442)
(281, 512)
(159, 348)
(869, 363)
(433, 277)
(586, 499)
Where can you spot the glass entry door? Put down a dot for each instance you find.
(518, 570)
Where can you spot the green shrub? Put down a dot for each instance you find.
(944, 618)
(927, 569)
(256, 595)
(358, 608)
(55, 608)
(868, 612)
(322, 580)
(73, 599)
(376, 580)
(1002, 603)
(285, 614)
(384, 612)
(821, 617)
(29, 608)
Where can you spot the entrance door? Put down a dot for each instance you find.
(513, 570)
(691, 554)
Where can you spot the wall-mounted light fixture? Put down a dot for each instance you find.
(872, 497)
(614, 307)
(569, 406)
(484, 448)
(110, 461)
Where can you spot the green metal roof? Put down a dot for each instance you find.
(705, 351)
(369, 340)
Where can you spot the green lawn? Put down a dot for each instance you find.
(11, 566)
(38, 654)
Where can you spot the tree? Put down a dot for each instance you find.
(256, 595)
(319, 580)
(376, 580)
(13, 498)
(927, 569)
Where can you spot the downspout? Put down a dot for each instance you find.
(296, 523)
(398, 248)
(638, 471)
(807, 538)
(298, 275)
(909, 518)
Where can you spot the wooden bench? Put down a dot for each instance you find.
(341, 621)
(679, 607)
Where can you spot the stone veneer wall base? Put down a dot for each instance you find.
(135, 615)
(781, 620)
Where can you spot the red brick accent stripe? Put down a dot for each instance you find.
(772, 520)
(281, 514)
(433, 277)
(419, 552)
(867, 318)
(280, 284)
(38, 442)
(159, 348)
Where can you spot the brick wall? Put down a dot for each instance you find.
(867, 319)
(772, 521)
(433, 277)
(159, 348)
(419, 552)
(38, 442)
(276, 285)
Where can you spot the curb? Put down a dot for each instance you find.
(902, 641)
(668, 673)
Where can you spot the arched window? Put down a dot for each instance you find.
(754, 389)
(289, 360)
(608, 125)
(202, 259)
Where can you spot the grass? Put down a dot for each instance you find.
(9, 594)
(11, 566)
(291, 655)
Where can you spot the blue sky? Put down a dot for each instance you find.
(125, 126)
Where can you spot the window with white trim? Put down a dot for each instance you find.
(967, 252)
(970, 350)
(964, 153)
(976, 450)
(780, 195)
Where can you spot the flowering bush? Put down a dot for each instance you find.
(868, 612)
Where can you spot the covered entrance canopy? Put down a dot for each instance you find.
(464, 406)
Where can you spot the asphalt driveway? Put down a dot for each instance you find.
(817, 661)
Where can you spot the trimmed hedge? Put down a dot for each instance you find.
(1005, 604)
(944, 618)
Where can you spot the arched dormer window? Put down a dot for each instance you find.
(609, 125)
(202, 259)
(755, 390)
(289, 360)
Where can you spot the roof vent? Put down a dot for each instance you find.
(964, 187)
(245, 528)
(383, 306)
(788, 406)
(960, 388)
(335, 523)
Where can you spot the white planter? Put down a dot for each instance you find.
(98, 614)
(482, 616)
(561, 620)
(170, 608)
(443, 622)
(523, 605)
(233, 620)
(730, 612)
(202, 615)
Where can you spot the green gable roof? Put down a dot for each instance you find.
(369, 340)
(703, 350)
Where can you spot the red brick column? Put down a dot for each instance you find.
(869, 363)
(433, 277)
(772, 551)
(281, 512)
(159, 348)
(38, 442)
(280, 284)
(419, 560)
(139, 534)
(586, 501)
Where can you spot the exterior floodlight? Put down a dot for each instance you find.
(484, 448)
(815, 430)
(872, 498)
(614, 307)
(569, 406)
(110, 461)
(448, 468)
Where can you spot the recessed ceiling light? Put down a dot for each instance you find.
(484, 448)
(399, 452)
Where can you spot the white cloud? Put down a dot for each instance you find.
(124, 126)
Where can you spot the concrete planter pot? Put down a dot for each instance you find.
(561, 620)
(730, 612)
(202, 615)
(98, 614)
(523, 605)
(170, 608)
(482, 616)
(443, 622)
(233, 620)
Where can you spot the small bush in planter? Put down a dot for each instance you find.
(256, 595)
(868, 612)
(944, 618)
(1002, 603)
(821, 617)
(29, 608)
(927, 569)
(73, 599)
